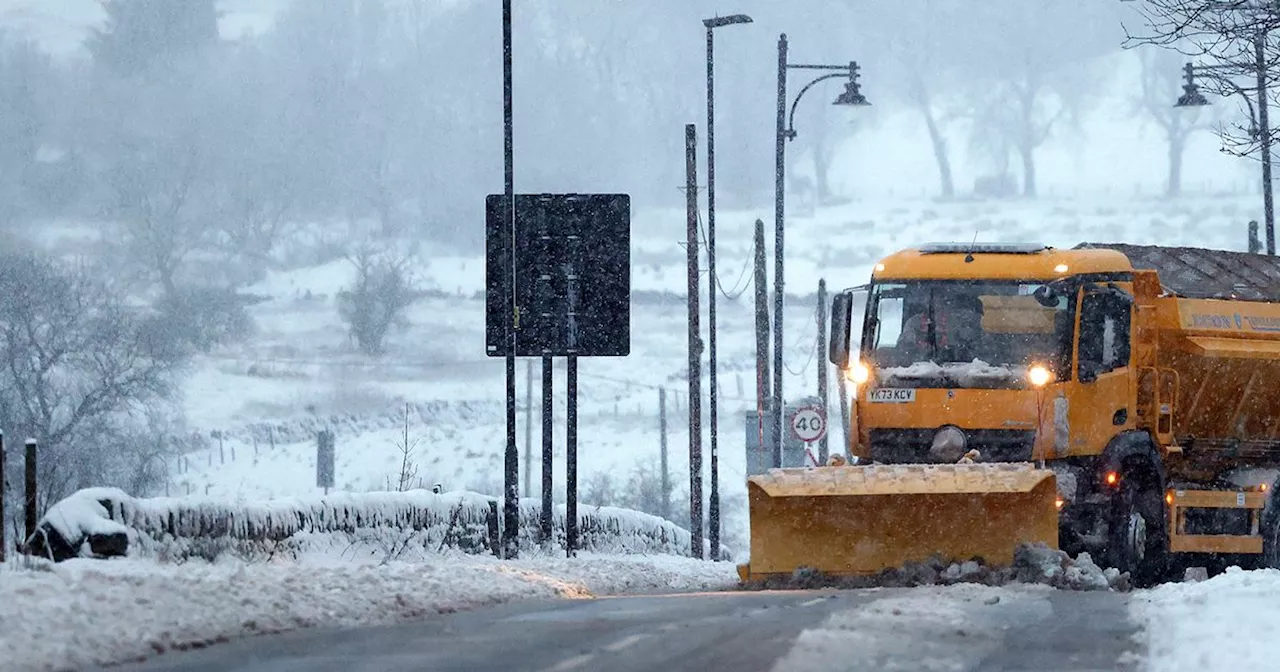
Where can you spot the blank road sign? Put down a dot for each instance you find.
(572, 275)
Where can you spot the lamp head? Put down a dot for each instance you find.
(730, 20)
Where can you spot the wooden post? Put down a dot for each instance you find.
(32, 502)
(3, 483)
(662, 443)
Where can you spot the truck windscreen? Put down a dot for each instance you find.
(965, 333)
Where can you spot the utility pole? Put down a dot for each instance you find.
(1264, 136)
(779, 187)
(763, 394)
(821, 358)
(662, 443)
(712, 280)
(511, 465)
(695, 342)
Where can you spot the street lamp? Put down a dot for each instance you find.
(712, 284)
(785, 131)
(1191, 97)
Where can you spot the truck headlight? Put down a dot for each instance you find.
(857, 373)
(1039, 376)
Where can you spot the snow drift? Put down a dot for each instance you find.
(1230, 622)
(95, 522)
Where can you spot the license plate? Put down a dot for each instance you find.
(889, 395)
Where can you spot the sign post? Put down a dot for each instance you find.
(809, 424)
(571, 255)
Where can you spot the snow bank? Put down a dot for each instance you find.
(82, 613)
(179, 528)
(1230, 622)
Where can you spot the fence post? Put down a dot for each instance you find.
(1255, 245)
(495, 538)
(662, 434)
(3, 483)
(31, 500)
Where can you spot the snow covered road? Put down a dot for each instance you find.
(85, 612)
(934, 628)
(472, 613)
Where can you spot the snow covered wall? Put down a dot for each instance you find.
(87, 522)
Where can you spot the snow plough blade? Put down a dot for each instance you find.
(858, 520)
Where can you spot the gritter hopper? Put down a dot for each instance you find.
(857, 520)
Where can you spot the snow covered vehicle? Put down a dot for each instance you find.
(1117, 399)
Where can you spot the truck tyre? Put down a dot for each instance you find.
(1270, 530)
(1138, 538)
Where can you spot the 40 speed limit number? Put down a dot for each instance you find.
(809, 424)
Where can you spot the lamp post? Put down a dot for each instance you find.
(712, 283)
(785, 131)
(1192, 97)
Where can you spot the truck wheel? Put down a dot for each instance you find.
(1138, 537)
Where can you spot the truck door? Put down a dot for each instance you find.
(1099, 396)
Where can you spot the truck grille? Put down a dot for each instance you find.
(906, 446)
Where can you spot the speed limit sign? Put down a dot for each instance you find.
(809, 424)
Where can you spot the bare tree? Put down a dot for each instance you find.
(75, 364)
(381, 293)
(23, 69)
(924, 38)
(1040, 74)
(1232, 44)
(408, 476)
(1017, 113)
(152, 200)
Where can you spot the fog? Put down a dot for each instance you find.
(158, 157)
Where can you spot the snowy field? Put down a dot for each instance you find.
(54, 615)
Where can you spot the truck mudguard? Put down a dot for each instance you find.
(1133, 443)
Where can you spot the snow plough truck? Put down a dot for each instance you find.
(1118, 399)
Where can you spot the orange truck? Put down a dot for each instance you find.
(1117, 399)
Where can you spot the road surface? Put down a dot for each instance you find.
(962, 628)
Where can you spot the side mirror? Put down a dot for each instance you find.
(1046, 296)
(841, 325)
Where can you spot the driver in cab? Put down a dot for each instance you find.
(952, 332)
